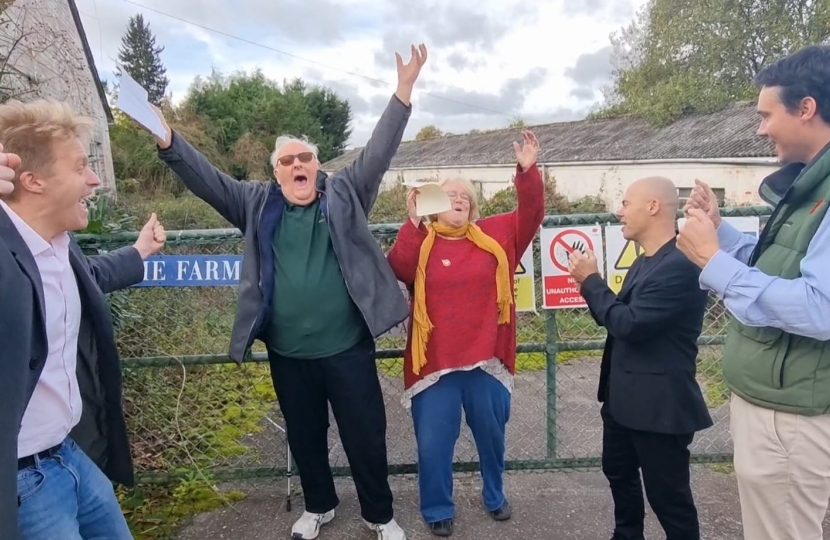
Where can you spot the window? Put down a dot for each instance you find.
(96, 162)
(685, 193)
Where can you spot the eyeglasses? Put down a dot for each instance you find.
(463, 196)
(304, 157)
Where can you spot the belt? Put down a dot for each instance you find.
(29, 461)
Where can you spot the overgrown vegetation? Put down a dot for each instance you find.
(686, 56)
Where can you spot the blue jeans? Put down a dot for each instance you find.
(68, 497)
(436, 413)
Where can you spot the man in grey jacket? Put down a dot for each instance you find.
(316, 289)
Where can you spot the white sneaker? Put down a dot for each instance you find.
(389, 531)
(308, 526)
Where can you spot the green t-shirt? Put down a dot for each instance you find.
(312, 314)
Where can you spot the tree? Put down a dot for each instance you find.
(517, 123)
(687, 56)
(33, 55)
(250, 111)
(428, 132)
(140, 57)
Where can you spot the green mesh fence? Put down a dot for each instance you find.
(191, 409)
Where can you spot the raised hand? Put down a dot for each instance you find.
(703, 198)
(408, 73)
(698, 239)
(582, 264)
(8, 164)
(151, 238)
(528, 152)
(411, 208)
(166, 141)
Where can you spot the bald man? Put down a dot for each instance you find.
(651, 403)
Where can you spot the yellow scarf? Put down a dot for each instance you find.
(422, 326)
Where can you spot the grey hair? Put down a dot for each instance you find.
(282, 140)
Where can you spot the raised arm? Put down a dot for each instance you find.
(798, 306)
(226, 195)
(405, 252)
(657, 302)
(124, 267)
(525, 220)
(366, 172)
(117, 269)
(530, 193)
(732, 242)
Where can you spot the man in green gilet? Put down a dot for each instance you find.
(776, 360)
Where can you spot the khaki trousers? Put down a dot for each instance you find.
(782, 462)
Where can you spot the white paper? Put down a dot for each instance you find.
(431, 199)
(132, 100)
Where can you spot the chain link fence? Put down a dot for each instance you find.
(190, 409)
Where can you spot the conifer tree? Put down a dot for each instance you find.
(139, 56)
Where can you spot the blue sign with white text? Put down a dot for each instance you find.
(191, 271)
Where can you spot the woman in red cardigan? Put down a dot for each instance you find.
(461, 348)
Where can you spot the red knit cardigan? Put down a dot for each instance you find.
(461, 284)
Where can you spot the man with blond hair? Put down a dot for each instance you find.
(61, 418)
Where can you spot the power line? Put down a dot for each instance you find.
(307, 60)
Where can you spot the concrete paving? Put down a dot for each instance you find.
(550, 506)
(578, 426)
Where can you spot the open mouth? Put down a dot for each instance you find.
(83, 202)
(301, 180)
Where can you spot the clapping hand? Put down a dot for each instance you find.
(703, 198)
(582, 264)
(698, 240)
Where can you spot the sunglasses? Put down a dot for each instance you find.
(304, 157)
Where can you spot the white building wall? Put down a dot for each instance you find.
(739, 180)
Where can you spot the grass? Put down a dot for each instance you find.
(155, 512)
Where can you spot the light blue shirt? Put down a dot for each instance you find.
(798, 306)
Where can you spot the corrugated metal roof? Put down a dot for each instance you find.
(730, 133)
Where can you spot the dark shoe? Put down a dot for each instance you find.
(441, 528)
(502, 514)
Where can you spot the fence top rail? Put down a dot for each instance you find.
(380, 230)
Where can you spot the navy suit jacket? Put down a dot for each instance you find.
(101, 432)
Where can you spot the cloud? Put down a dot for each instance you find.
(484, 67)
(460, 62)
(454, 101)
(475, 26)
(613, 10)
(590, 72)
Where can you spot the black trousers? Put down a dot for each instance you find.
(664, 461)
(349, 381)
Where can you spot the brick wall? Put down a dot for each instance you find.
(46, 60)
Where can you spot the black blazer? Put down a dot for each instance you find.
(647, 375)
(101, 432)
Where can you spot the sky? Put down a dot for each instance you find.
(489, 61)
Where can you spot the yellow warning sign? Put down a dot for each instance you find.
(520, 270)
(628, 255)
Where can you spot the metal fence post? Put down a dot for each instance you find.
(551, 352)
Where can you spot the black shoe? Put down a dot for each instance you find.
(502, 514)
(441, 528)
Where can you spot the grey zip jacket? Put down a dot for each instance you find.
(346, 198)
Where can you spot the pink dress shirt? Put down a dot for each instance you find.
(55, 407)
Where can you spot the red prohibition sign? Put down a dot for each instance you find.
(558, 240)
